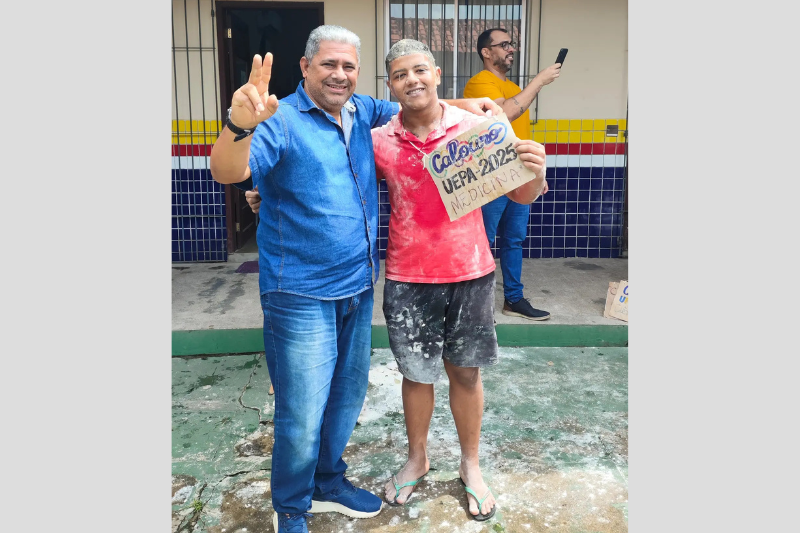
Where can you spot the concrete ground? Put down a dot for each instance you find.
(213, 295)
(554, 438)
(216, 310)
(554, 446)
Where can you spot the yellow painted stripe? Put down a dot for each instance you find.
(545, 130)
(575, 124)
(196, 126)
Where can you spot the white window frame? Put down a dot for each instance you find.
(523, 47)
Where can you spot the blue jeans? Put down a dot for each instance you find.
(509, 222)
(318, 354)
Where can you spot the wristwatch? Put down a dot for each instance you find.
(241, 133)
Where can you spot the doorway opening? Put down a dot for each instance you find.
(243, 30)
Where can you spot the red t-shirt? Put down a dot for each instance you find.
(424, 246)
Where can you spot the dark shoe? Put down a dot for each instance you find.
(347, 500)
(290, 523)
(524, 309)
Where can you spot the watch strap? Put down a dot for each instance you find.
(241, 133)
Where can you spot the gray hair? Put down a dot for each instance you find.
(333, 33)
(406, 47)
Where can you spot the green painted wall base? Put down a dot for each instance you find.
(561, 335)
(223, 341)
(217, 341)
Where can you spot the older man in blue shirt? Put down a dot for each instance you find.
(311, 158)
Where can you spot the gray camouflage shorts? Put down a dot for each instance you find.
(430, 321)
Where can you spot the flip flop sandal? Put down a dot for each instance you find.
(480, 517)
(398, 487)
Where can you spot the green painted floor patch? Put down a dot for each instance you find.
(554, 444)
(232, 341)
(217, 404)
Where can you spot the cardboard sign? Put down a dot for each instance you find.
(617, 300)
(611, 295)
(477, 166)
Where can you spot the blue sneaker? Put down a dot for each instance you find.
(347, 500)
(290, 523)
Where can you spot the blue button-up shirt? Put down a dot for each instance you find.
(318, 220)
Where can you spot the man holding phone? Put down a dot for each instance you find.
(502, 217)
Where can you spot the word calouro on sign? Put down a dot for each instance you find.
(476, 167)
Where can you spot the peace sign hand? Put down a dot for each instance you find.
(252, 103)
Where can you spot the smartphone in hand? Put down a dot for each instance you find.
(562, 54)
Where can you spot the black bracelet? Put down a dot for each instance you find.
(241, 133)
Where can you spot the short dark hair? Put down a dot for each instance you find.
(485, 39)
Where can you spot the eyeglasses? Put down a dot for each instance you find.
(505, 44)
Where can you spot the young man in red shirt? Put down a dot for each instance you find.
(440, 285)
